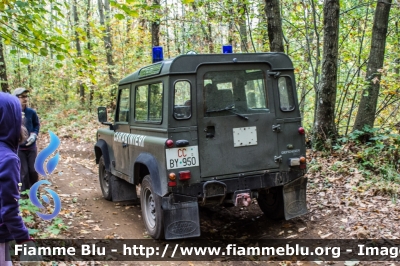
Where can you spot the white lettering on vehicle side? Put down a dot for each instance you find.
(131, 139)
(291, 151)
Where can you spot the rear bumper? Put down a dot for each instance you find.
(255, 182)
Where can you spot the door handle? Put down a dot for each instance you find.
(124, 145)
(276, 128)
(210, 131)
(278, 159)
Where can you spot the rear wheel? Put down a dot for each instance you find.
(105, 180)
(151, 209)
(271, 203)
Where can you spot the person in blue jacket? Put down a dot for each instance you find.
(11, 224)
(28, 151)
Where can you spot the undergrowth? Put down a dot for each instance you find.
(71, 121)
(378, 159)
(39, 228)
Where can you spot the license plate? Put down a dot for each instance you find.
(182, 157)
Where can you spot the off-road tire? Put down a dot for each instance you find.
(105, 180)
(152, 213)
(271, 203)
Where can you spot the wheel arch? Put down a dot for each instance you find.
(101, 149)
(147, 164)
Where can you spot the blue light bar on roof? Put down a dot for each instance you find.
(157, 54)
(227, 49)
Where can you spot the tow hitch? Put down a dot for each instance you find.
(242, 197)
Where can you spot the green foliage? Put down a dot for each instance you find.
(130, 8)
(27, 208)
(36, 226)
(56, 226)
(24, 24)
(71, 122)
(379, 158)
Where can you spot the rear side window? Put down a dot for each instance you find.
(182, 100)
(148, 103)
(123, 106)
(286, 97)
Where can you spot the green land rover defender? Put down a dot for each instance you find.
(205, 129)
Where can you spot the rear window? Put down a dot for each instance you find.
(240, 91)
(286, 96)
(182, 100)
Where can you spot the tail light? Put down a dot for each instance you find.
(172, 176)
(301, 131)
(303, 162)
(184, 175)
(172, 184)
(169, 143)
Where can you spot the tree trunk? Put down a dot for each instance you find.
(242, 26)
(209, 38)
(183, 29)
(155, 25)
(316, 70)
(203, 29)
(367, 108)
(231, 27)
(89, 48)
(17, 69)
(104, 12)
(324, 132)
(167, 29)
(3, 69)
(275, 33)
(51, 26)
(79, 51)
(361, 39)
(29, 68)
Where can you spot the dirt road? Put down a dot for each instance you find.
(89, 216)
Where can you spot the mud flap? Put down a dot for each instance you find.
(294, 198)
(122, 190)
(181, 217)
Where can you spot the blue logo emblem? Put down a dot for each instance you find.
(35, 201)
(50, 166)
(45, 153)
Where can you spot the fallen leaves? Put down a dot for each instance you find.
(326, 236)
(338, 188)
(97, 228)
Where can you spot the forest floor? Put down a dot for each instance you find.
(340, 207)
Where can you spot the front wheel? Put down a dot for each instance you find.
(151, 209)
(105, 180)
(271, 203)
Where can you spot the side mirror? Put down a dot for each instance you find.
(102, 114)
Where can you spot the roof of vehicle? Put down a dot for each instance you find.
(185, 64)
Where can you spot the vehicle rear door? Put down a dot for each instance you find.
(291, 140)
(235, 119)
